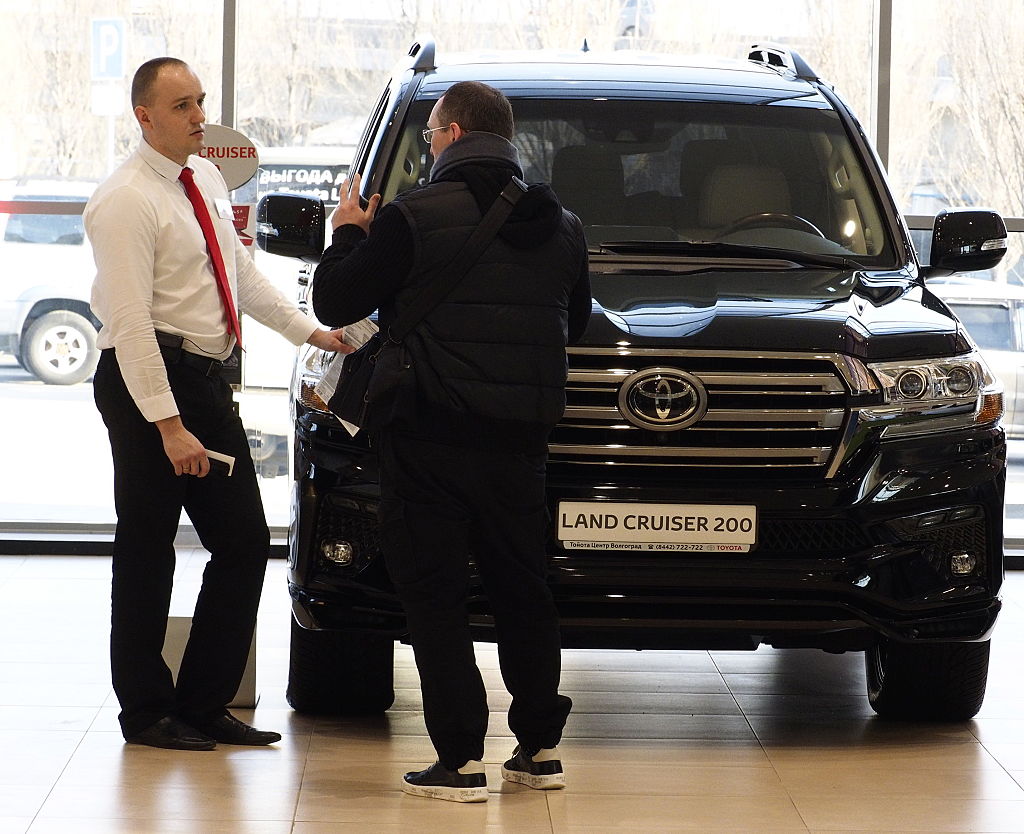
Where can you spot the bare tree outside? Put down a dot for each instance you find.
(958, 108)
(302, 67)
(838, 46)
(309, 72)
(298, 66)
(51, 96)
(51, 101)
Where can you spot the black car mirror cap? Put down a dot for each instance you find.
(292, 225)
(966, 240)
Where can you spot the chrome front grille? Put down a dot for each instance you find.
(779, 410)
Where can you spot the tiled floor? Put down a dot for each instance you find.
(768, 741)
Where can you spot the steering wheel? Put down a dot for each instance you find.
(770, 219)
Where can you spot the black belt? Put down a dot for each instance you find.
(174, 354)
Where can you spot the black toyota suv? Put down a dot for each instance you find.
(775, 433)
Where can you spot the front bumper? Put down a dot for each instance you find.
(836, 566)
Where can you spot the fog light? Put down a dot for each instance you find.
(931, 519)
(962, 564)
(338, 552)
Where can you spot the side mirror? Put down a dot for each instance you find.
(965, 240)
(291, 225)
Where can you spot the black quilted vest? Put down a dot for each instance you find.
(490, 359)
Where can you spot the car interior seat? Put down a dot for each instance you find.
(733, 192)
(698, 158)
(589, 181)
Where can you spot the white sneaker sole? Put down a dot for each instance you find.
(448, 794)
(542, 782)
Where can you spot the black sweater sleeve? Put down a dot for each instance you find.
(358, 272)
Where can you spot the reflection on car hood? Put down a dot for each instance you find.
(866, 314)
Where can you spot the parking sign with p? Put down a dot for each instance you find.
(107, 49)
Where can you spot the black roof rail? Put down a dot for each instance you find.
(774, 55)
(423, 54)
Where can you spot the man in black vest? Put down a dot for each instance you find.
(463, 472)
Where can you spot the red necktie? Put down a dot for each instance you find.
(203, 216)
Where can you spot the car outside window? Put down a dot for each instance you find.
(990, 325)
(61, 229)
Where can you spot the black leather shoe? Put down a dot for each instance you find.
(173, 734)
(229, 730)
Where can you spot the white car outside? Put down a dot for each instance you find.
(993, 314)
(47, 270)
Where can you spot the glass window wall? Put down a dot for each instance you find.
(957, 135)
(304, 76)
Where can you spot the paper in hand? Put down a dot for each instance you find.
(356, 335)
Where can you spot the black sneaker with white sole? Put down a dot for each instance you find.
(541, 769)
(467, 784)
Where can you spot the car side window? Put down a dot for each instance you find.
(61, 229)
(372, 135)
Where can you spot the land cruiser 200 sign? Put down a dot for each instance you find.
(775, 434)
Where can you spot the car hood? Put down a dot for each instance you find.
(871, 315)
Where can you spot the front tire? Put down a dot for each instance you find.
(59, 348)
(927, 682)
(340, 673)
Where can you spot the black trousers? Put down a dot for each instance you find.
(227, 513)
(439, 505)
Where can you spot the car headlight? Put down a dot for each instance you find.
(927, 395)
(311, 367)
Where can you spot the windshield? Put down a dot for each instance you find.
(781, 177)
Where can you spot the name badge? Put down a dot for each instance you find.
(224, 210)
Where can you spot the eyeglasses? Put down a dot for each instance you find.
(430, 131)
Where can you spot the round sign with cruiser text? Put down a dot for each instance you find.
(232, 153)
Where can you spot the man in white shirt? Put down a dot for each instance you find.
(167, 327)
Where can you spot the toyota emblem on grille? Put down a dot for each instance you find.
(664, 399)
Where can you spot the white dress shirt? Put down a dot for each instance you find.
(154, 273)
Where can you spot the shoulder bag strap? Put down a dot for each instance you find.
(452, 274)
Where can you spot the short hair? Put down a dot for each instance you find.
(476, 106)
(146, 75)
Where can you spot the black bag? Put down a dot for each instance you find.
(378, 380)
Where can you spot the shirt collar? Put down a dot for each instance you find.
(166, 168)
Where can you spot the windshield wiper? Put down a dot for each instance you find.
(723, 250)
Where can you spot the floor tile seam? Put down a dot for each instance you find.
(639, 673)
(306, 745)
(550, 796)
(227, 820)
(789, 796)
(410, 713)
(1002, 766)
(789, 793)
(689, 692)
(302, 782)
(56, 781)
(773, 744)
(736, 701)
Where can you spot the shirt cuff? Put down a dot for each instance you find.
(159, 407)
(299, 329)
